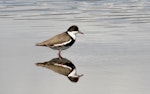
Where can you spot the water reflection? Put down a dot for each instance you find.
(97, 11)
(114, 53)
(62, 66)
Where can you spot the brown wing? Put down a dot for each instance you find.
(58, 65)
(56, 68)
(60, 38)
(59, 69)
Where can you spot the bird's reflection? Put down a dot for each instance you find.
(62, 66)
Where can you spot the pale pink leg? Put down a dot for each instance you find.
(59, 54)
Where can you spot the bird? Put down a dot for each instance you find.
(62, 66)
(62, 41)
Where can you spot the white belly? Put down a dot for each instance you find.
(59, 47)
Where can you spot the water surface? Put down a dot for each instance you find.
(113, 54)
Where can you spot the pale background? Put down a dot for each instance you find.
(113, 54)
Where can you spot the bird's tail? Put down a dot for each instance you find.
(41, 64)
(40, 44)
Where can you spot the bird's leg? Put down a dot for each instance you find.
(59, 54)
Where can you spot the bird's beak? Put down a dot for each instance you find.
(80, 32)
(80, 75)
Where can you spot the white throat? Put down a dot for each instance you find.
(73, 74)
(73, 34)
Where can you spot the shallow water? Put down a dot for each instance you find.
(113, 54)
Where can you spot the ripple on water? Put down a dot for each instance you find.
(80, 11)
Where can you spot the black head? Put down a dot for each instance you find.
(73, 79)
(73, 28)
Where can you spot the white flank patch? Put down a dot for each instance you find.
(73, 34)
(64, 66)
(73, 73)
(64, 43)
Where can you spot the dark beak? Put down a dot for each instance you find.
(80, 75)
(80, 32)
